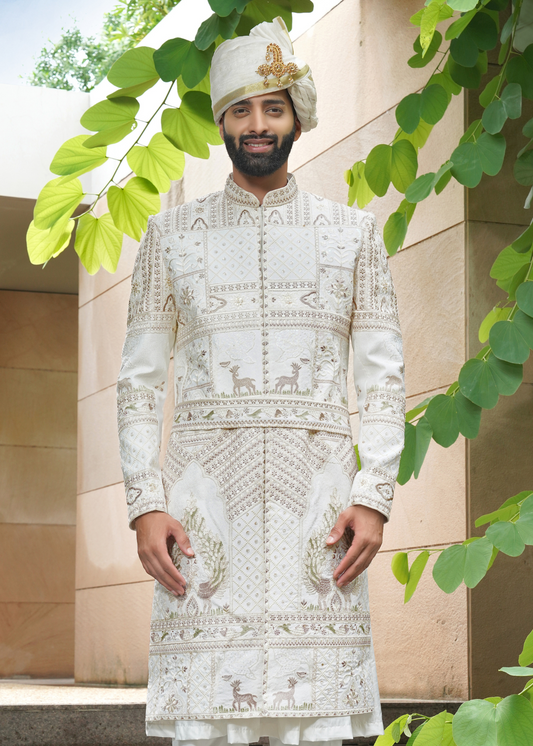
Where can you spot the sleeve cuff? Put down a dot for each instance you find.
(373, 491)
(144, 496)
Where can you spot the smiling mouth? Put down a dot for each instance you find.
(258, 146)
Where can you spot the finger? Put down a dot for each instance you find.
(167, 580)
(357, 546)
(337, 530)
(182, 540)
(167, 565)
(357, 568)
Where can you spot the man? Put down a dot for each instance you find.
(259, 529)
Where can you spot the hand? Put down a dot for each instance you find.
(156, 532)
(367, 525)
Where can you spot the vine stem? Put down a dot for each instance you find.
(112, 178)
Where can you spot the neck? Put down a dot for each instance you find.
(261, 185)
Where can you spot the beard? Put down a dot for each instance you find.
(259, 164)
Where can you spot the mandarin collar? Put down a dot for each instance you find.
(275, 197)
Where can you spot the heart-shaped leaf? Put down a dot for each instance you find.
(98, 243)
(159, 162)
(131, 205)
(57, 199)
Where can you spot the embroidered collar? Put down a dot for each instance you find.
(241, 196)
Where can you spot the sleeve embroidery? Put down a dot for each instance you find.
(142, 380)
(378, 374)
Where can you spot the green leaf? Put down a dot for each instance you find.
(395, 231)
(466, 166)
(403, 164)
(98, 242)
(408, 112)
(468, 77)
(481, 723)
(488, 93)
(477, 383)
(478, 556)
(110, 136)
(464, 50)
(525, 522)
(502, 514)
(507, 342)
(57, 199)
(428, 23)
(420, 59)
(512, 100)
(419, 137)
(415, 735)
(421, 188)
(387, 738)
(73, 158)
(415, 573)
(523, 168)
(44, 244)
(507, 264)
(520, 70)
(400, 567)
(359, 190)
(181, 57)
(507, 376)
(491, 152)
(423, 439)
(134, 67)
(258, 11)
(437, 731)
(512, 340)
(506, 538)
(378, 169)
(204, 86)
(191, 127)
(458, 26)
(407, 460)
(526, 656)
(444, 180)
(159, 162)
(442, 416)
(524, 241)
(110, 114)
(134, 91)
(468, 416)
(226, 7)
(496, 314)
(527, 129)
(433, 103)
(131, 206)
(494, 117)
(449, 569)
(214, 27)
(462, 5)
(484, 31)
(517, 671)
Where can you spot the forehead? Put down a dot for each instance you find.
(266, 98)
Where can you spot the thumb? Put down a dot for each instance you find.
(337, 530)
(182, 540)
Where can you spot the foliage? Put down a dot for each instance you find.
(78, 62)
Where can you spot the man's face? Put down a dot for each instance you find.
(259, 132)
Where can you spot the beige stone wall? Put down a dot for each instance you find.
(38, 379)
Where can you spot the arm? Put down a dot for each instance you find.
(379, 383)
(141, 391)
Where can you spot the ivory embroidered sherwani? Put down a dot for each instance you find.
(257, 304)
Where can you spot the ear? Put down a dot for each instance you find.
(298, 130)
(221, 126)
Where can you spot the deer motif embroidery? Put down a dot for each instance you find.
(238, 383)
(277, 67)
(291, 381)
(287, 694)
(238, 697)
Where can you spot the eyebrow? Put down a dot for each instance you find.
(265, 101)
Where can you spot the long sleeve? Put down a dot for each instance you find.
(378, 373)
(142, 380)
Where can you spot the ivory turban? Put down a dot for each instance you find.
(255, 64)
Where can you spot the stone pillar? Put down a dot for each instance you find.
(38, 377)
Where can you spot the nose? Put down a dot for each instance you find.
(258, 124)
